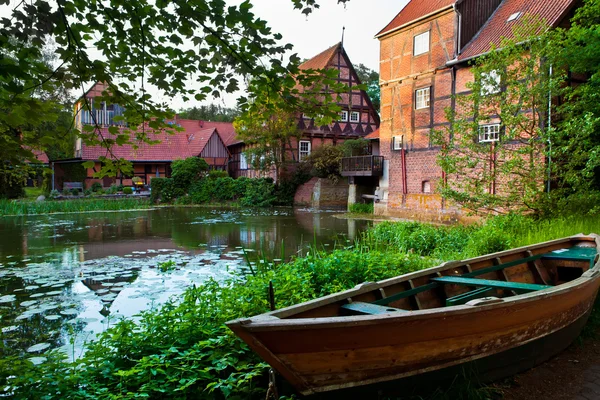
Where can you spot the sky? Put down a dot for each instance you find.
(322, 29)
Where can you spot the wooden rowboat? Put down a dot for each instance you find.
(505, 312)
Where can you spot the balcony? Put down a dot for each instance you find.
(362, 166)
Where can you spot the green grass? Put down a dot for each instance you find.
(21, 207)
(361, 208)
(33, 192)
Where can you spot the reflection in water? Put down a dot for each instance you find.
(67, 277)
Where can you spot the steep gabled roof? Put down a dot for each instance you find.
(321, 60)
(498, 27)
(188, 143)
(415, 10)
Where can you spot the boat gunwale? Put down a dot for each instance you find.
(278, 320)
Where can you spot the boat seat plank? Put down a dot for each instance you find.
(405, 294)
(362, 308)
(468, 296)
(516, 286)
(573, 254)
(502, 266)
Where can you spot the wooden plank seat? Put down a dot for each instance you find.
(468, 296)
(516, 286)
(571, 252)
(362, 308)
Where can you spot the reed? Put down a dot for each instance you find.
(19, 207)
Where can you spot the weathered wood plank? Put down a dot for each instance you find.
(362, 308)
(517, 286)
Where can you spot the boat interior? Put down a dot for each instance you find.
(479, 280)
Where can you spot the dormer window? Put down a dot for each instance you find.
(421, 43)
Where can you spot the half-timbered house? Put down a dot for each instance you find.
(358, 117)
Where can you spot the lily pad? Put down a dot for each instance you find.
(9, 298)
(9, 329)
(29, 303)
(52, 317)
(69, 311)
(37, 360)
(38, 347)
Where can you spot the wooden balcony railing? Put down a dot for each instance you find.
(362, 166)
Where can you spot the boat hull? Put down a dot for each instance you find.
(486, 369)
(316, 349)
(317, 356)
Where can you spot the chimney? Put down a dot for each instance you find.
(201, 123)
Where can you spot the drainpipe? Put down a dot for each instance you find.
(404, 183)
(52, 175)
(549, 126)
(458, 30)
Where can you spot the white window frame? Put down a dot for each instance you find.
(354, 116)
(422, 98)
(490, 82)
(421, 43)
(303, 153)
(344, 116)
(397, 142)
(243, 161)
(489, 133)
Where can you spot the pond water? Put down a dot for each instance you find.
(64, 278)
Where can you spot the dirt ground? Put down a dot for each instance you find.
(572, 375)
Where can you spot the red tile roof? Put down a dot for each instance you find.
(321, 60)
(415, 10)
(497, 27)
(188, 143)
(373, 135)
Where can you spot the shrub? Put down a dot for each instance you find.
(75, 192)
(66, 192)
(259, 193)
(127, 190)
(286, 187)
(361, 208)
(325, 162)
(356, 147)
(163, 190)
(96, 187)
(54, 194)
(249, 192)
(217, 173)
(88, 192)
(185, 172)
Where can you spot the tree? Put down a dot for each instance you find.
(370, 79)
(212, 112)
(494, 152)
(576, 139)
(131, 45)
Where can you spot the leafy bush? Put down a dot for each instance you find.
(217, 173)
(163, 190)
(185, 172)
(361, 208)
(249, 192)
(286, 187)
(96, 187)
(54, 194)
(88, 192)
(326, 161)
(356, 147)
(560, 203)
(127, 190)
(75, 192)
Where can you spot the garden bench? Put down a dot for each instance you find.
(73, 185)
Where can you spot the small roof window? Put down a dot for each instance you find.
(514, 16)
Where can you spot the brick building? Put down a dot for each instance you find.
(358, 117)
(424, 63)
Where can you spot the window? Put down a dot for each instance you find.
(514, 16)
(354, 116)
(422, 98)
(426, 187)
(397, 142)
(489, 133)
(304, 150)
(421, 43)
(490, 82)
(243, 161)
(344, 116)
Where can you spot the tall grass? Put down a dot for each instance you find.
(19, 207)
